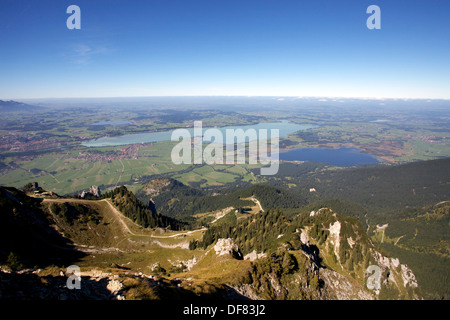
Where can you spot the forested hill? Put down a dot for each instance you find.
(379, 189)
(14, 106)
(331, 242)
(138, 212)
(175, 199)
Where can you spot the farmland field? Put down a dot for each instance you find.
(53, 156)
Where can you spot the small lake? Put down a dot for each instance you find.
(286, 128)
(341, 157)
(110, 123)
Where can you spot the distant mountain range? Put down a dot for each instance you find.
(15, 106)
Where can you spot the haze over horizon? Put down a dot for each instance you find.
(224, 48)
(279, 97)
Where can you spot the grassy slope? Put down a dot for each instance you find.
(117, 240)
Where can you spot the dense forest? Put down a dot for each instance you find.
(257, 234)
(377, 188)
(178, 200)
(296, 276)
(420, 237)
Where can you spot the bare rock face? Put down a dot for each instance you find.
(304, 237)
(356, 263)
(114, 286)
(343, 288)
(254, 255)
(227, 247)
(95, 191)
(396, 274)
(408, 277)
(335, 230)
(30, 285)
(154, 187)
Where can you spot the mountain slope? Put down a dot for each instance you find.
(25, 232)
(263, 255)
(143, 215)
(173, 198)
(378, 189)
(14, 106)
(419, 236)
(336, 247)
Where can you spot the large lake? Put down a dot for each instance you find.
(286, 128)
(341, 157)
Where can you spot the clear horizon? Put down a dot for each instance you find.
(177, 48)
(318, 98)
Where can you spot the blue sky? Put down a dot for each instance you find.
(224, 47)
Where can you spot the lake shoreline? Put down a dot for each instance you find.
(285, 128)
(340, 156)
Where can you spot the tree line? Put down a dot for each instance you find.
(139, 213)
